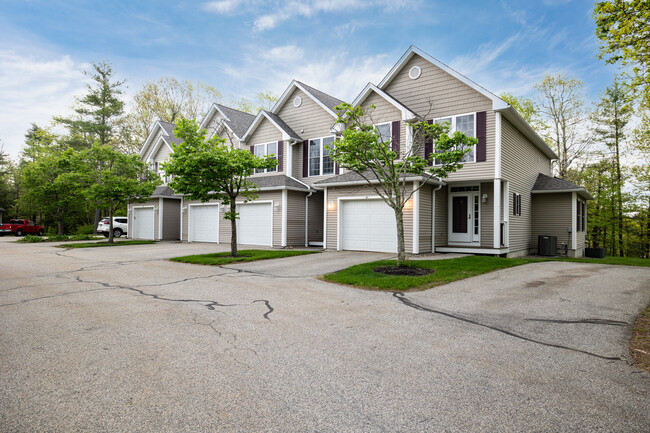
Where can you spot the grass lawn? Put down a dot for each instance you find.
(446, 271)
(244, 256)
(57, 238)
(105, 244)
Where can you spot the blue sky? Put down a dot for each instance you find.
(243, 47)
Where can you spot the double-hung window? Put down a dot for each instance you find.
(385, 132)
(320, 161)
(466, 124)
(266, 149)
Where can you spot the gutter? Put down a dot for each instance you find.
(375, 181)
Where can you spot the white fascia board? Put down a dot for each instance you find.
(253, 126)
(423, 179)
(497, 103)
(289, 90)
(407, 115)
(209, 115)
(152, 134)
(262, 115)
(282, 188)
(582, 192)
(522, 126)
(156, 146)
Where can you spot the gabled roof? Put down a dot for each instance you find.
(287, 133)
(164, 191)
(548, 184)
(497, 102)
(326, 101)
(408, 115)
(167, 137)
(237, 121)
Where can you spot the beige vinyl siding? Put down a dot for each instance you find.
(316, 217)
(487, 215)
(295, 218)
(224, 133)
(521, 162)
(334, 193)
(426, 210)
(162, 154)
(152, 202)
(152, 144)
(266, 132)
(437, 94)
(441, 215)
(171, 219)
(385, 112)
(552, 214)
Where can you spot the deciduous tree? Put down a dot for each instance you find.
(208, 169)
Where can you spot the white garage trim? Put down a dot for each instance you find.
(338, 210)
(160, 218)
(257, 202)
(189, 219)
(153, 221)
(416, 218)
(284, 217)
(325, 219)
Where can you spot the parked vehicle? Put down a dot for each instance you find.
(20, 228)
(120, 225)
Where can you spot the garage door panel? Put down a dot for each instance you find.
(143, 227)
(368, 225)
(255, 224)
(204, 223)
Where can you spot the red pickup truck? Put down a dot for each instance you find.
(21, 227)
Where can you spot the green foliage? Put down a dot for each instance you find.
(623, 27)
(85, 229)
(208, 169)
(218, 259)
(56, 238)
(562, 108)
(8, 187)
(116, 179)
(527, 108)
(362, 149)
(168, 99)
(263, 101)
(105, 244)
(97, 111)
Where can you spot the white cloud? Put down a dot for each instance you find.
(33, 89)
(339, 74)
(267, 22)
(221, 7)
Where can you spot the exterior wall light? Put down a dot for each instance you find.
(331, 205)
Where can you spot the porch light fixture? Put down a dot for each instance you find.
(331, 205)
(408, 204)
(484, 198)
(277, 205)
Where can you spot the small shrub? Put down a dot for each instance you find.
(83, 237)
(86, 229)
(31, 238)
(57, 238)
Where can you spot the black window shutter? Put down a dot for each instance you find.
(481, 135)
(305, 158)
(514, 203)
(395, 137)
(280, 153)
(428, 145)
(253, 150)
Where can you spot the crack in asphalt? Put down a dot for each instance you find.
(25, 301)
(404, 300)
(588, 321)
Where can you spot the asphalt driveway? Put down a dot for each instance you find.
(120, 339)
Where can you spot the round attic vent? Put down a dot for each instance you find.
(415, 72)
(297, 101)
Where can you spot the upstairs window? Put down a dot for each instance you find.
(320, 161)
(465, 123)
(385, 132)
(263, 150)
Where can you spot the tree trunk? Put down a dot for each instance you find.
(96, 220)
(60, 227)
(401, 251)
(233, 228)
(110, 224)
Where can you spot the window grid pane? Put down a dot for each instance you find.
(272, 149)
(384, 132)
(314, 157)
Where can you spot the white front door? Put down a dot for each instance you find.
(204, 223)
(464, 216)
(255, 224)
(367, 225)
(143, 227)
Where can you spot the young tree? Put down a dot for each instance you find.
(611, 117)
(623, 27)
(210, 170)
(168, 99)
(561, 103)
(40, 141)
(7, 184)
(117, 179)
(263, 101)
(363, 150)
(54, 185)
(528, 109)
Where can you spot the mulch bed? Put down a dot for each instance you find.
(405, 271)
(640, 344)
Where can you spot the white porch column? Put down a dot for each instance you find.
(416, 219)
(284, 217)
(497, 213)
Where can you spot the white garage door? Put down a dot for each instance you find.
(204, 223)
(368, 225)
(255, 224)
(143, 223)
